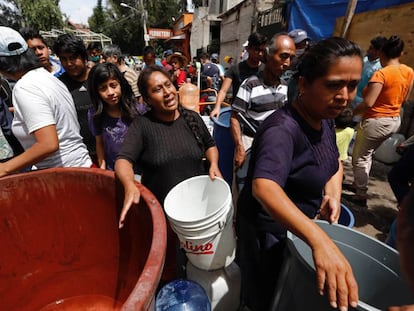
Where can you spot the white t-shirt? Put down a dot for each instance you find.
(39, 100)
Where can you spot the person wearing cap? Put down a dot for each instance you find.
(112, 54)
(301, 39)
(45, 120)
(228, 60)
(39, 45)
(302, 43)
(178, 62)
(237, 73)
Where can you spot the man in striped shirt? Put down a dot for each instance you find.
(261, 94)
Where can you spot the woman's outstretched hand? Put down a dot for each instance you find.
(132, 196)
(334, 276)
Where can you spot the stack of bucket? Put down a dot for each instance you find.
(200, 212)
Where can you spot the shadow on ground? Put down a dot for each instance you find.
(375, 219)
(378, 216)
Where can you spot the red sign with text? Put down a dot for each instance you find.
(159, 33)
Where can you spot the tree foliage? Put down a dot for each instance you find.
(39, 14)
(99, 19)
(125, 25)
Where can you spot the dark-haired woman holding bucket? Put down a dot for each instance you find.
(168, 143)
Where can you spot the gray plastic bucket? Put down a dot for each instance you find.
(375, 266)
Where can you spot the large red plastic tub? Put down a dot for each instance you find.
(61, 248)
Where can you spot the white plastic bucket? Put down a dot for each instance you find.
(211, 219)
(200, 212)
(208, 228)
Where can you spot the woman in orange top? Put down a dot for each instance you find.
(387, 90)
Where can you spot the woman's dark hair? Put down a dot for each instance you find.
(187, 115)
(68, 43)
(99, 74)
(317, 59)
(20, 63)
(393, 47)
(378, 42)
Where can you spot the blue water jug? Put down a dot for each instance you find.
(182, 295)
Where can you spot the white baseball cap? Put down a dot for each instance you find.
(11, 42)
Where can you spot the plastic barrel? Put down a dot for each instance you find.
(225, 144)
(63, 249)
(374, 264)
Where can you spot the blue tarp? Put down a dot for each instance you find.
(318, 17)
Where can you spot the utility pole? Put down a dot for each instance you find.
(144, 15)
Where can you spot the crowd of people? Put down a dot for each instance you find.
(292, 103)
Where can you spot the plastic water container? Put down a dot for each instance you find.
(374, 264)
(225, 144)
(386, 152)
(190, 96)
(62, 249)
(200, 212)
(346, 217)
(182, 295)
(222, 286)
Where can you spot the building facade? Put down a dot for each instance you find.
(222, 26)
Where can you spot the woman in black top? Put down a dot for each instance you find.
(169, 143)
